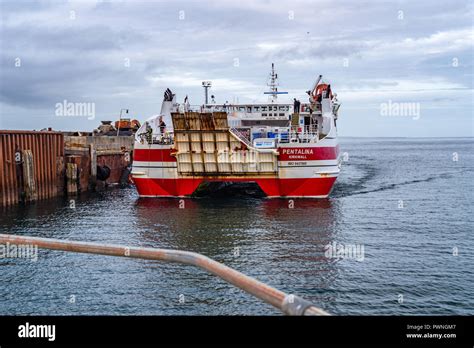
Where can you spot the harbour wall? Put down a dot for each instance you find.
(37, 165)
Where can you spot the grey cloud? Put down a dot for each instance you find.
(84, 59)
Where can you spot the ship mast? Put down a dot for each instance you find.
(273, 84)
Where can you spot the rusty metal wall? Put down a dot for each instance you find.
(48, 155)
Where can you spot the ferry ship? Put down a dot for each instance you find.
(288, 150)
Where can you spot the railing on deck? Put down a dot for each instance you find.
(295, 134)
(182, 108)
(300, 134)
(166, 138)
(241, 137)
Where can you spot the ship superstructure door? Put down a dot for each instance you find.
(205, 146)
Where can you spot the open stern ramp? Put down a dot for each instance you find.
(205, 146)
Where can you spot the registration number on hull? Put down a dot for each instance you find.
(297, 163)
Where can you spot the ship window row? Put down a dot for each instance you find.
(274, 114)
(250, 109)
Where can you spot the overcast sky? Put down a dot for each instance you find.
(124, 54)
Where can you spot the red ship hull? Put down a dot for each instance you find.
(304, 187)
(309, 171)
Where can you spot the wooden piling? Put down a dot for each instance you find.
(93, 173)
(29, 184)
(71, 178)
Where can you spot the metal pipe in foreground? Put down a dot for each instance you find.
(289, 304)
